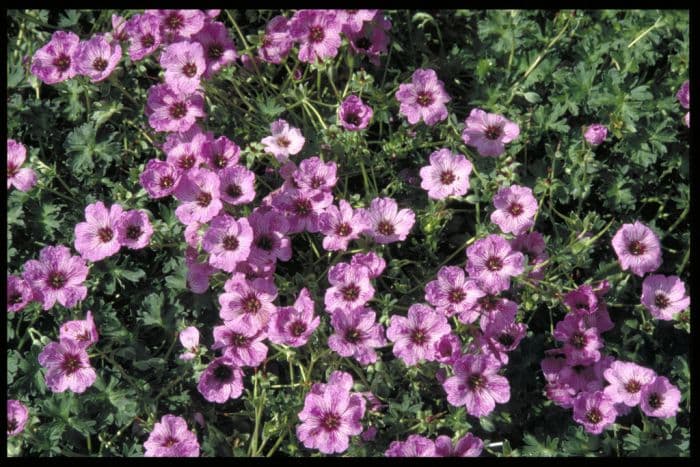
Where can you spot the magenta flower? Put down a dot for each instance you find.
(448, 349)
(57, 276)
(293, 325)
(189, 338)
(22, 179)
(17, 416)
(178, 25)
(144, 35)
(170, 110)
(227, 241)
(353, 20)
(452, 292)
(477, 385)
(237, 185)
(134, 230)
(97, 58)
(683, 97)
(581, 343)
(302, 208)
(372, 39)
(447, 175)
(350, 289)
(276, 42)
(160, 178)
(374, 263)
(96, 238)
(198, 192)
(414, 336)
(414, 446)
(467, 446)
(313, 175)
(595, 134)
(55, 62)
(270, 241)
(83, 333)
(515, 209)
(423, 99)
(198, 274)
(492, 262)
(285, 140)
(67, 366)
(318, 34)
(626, 380)
(340, 225)
(353, 114)
(489, 133)
(219, 49)
(222, 380)
(595, 411)
(356, 334)
(19, 294)
(184, 65)
(222, 153)
(171, 438)
(532, 245)
(501, 333)
(386, 223)
(250, 299)
(119, 32)
(582, 301)
(664, 296)
(638, 248)
(660, 398)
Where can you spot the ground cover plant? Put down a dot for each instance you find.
(348, 232)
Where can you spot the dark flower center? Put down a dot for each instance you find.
(633, 386)
(133, 232)
(594, 416)
(11, 425)
(515, 209)
(488, 302)
(147, 41)
(316, 182)
(57, 280)
(353, 336)
(203, 199)
(230, 242)
(84, 337)
(71, 364)
(189, 70)
(105, 234)
(12, 170)
(100, 64)
(363, 43)
(456, 295)
(169, 442)
(476, 382)
(661, 300)
(655, 400)
(578, 340)
(166, 182)
(494, 263)
(343, 229)
(174, 21)
(178, 110)
(298, 328)
(14, 298)
(353, 119)
(447, 177)
(578, 368)
(493, 132)
(220, 161)
(418, 336)
(425, 98)
(350, 293)
(283, 141)
(264, 243)
(316, 34)
(582, 306)
(223, 372)
(506, 339)
(251, 304)
(637, 248)
(385, 228)
(62, 62)
(239, 340)
(330, 421)
(186, 162)
(215, 51)
(234, 191)
(303, 207)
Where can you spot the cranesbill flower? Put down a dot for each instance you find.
(189, 338)
(353, 20)
(227, 241)
(276, 43)
(492, 262)
(374, 263)
(285, 140)
(414, 336)
(313, 174)
(270, 241)
(467, 446)
(81, 332)
(22, 179)
(413, 446)
(353, 114)
(57, 276)
(683, 96)
(447, 174)
(356, 334)
(159, 178)
(372, 39)
(660, 398)
(302, 208)
(638, 248)
(222, 153)
(489, 133)
(134, 230)
(170, 110)
(237, 185)
(241, 342)
(97, 57)
(293, 325)
(176, 25)
(68, 366)
(581, 343)
(595, 134)
(221, 380)
(532, 244)
(219, 49)
(582, 300)
(664, 296)
(55, 61)
(171, 438)
(424, 98)
(350, 287)
(17, 416)
(452, 292)
(515, 209)
(557, 390)
(144, 35)
(318, 34)
(96, 238)
(595, 411)
(448, 349)
(19, 294)
(249, 299)
(198, 191)
(387, 223)
(198, 274)
(501, 333)
(477, 385)
(626, 380)
(340, 225)
(184, 65)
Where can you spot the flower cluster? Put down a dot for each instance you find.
(420, 446)
(683, 97)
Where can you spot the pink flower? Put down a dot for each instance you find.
(302, 208)
(340, 225)
(452, 293)
(227, 241)
(293, 325)
(350, 289)
(515, 209)
(353, 114)
(414, 336)
(198, 192)
(249, 299)
(144, 35)
(595, 134)
(97, 58)
(237, 185)
(22, 179)
(638, 248)
(270, 241)
(96, 238)
(660, 398)
(134, 230)
(683, 94)
(55, 61)
(595, 411)
(197, 273)
(184, 66)
(241, 340)
(386, 223)
(285, 140)
(489, 133)
(177, 25)
(477, 385)
(171, 438)
(189, 338)
(372, 38)
(501, 333)
(276, 42)
(19, 294)
(159, 178)
(219, 49)
(423, 99)
(467, 446)
(170, 110)
(221, 381)
(17, 416)
(119, 32)
(447, 175)
(356, 334)
(57, 276)
(414, 446)
(492, 262)
(664, 296)
(67, 366)
(626, 380)
(581, 343)
(82, 332)
(222, 153)
(374, 263)
(315, 175)
(318, 34)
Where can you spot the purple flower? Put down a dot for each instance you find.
(414, 336)
(285, 140)
(386, 223)
(448, 349)
(171, 438)
(96, 238)
(293, 325)
(477, 385)
(340, 225)
(241, 340)
(276, 42)
(331, 414)
(144, 35)
(177, 25)
(532, 245)
(492, 261)
(447, 175)
(626, 381)
(184, 66)
(55, 62)
(119, 32)
(197, 273)
(660, 398)
(515, 209)
(489, 133)
(350, 289)
(353, 114)
(371, 39)
(318, 34)
(356, 334)
(19, 294)
(638, 248)
(237, 185)
(82, 332)
(374, 263)
(423, 99)
(313, 175)
(414, 446)
(199, 193)
(134, 230)
(595, 411)
(302, 208)
(501, 333)
(227, 241)
(452, 292)
(221, 380)
(67, 366)
(159, 178)
(57, 276)
(219, 49)
(97, 58)
(353, 20)
(582, 301)
(467, 446)
(595, 134)
(250, 299)
(17, 416)
(270, 241)
(222, 153)
(683, 95)
(22, 179)
(170, 110)
(189, 338)
(664, 296)
(581, 343)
